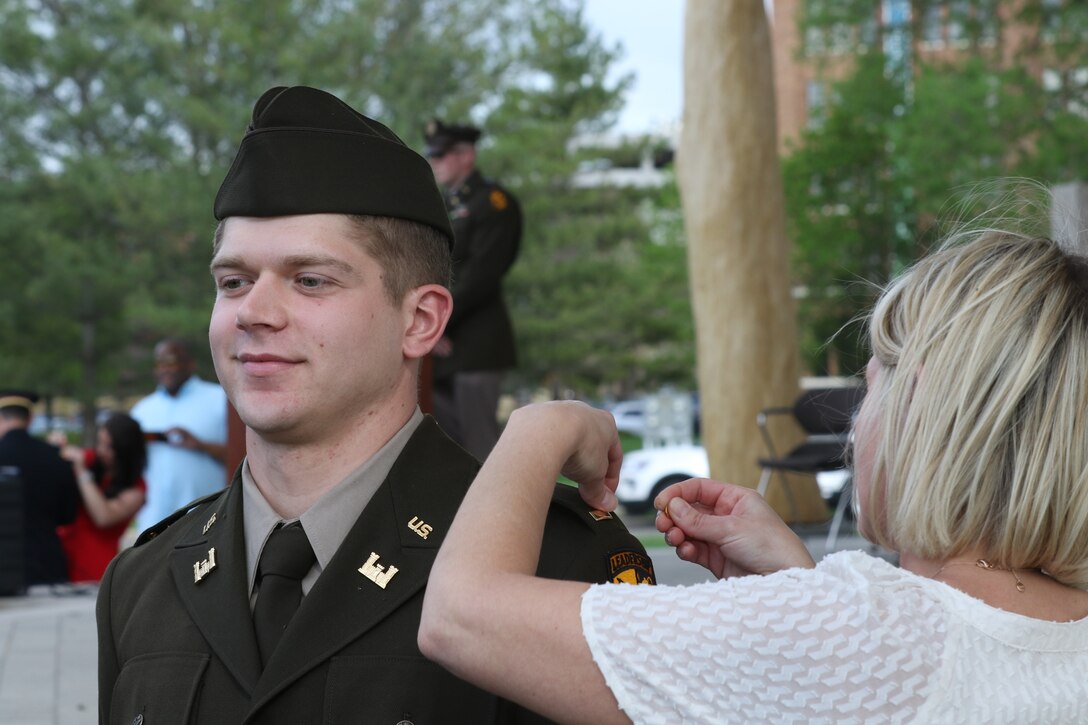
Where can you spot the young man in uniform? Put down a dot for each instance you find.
(294, 596)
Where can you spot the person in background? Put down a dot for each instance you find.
(50, 498)
(185, 422)
(479, 344)
(971, 461)
(293, 596)
(111, 485)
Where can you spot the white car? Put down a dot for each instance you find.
(645, 473)
(630, 416)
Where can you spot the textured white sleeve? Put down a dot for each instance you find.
(823, 645)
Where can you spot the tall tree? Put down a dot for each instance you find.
(939, 97)
(738, 255)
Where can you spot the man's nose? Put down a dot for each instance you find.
(263, 305)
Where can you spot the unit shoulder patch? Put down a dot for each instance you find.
(630, 567)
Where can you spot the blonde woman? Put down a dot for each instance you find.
(971, 462)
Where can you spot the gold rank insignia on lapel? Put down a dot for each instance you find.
(201, 568)
(420, 527)
(598, 515)
(209, 524)
(377, 573)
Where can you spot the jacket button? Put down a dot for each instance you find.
(138, 720)
(406, 722)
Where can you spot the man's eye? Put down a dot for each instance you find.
(311, 282)
(231, 283)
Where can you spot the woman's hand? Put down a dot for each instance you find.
(74, 455)
(727, 529)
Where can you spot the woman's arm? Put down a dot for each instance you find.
(486, 617)
(104, 511)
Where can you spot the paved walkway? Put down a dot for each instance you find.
(48, 645)
(48, 658)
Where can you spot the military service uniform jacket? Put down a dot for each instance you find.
(50, 499)
(486, 223)
(176, 637)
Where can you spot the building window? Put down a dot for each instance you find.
(932, 29)
(815, 103)
(958, 16)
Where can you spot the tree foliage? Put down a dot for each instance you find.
(118, 119)
(908, 128)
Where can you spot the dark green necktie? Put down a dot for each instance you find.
(287, 558)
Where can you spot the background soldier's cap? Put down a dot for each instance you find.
(308, 152)
(441, 137)
(11, 398)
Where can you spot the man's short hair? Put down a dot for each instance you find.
(410, 254)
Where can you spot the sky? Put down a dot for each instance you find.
(651, 32)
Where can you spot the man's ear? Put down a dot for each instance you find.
(427, 310)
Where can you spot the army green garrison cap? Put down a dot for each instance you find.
(308, 152)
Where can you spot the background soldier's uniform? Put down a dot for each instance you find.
(487, 227)
(177, 651)
(486, 222)
(50, 498)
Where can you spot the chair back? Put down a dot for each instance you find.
(828, 411)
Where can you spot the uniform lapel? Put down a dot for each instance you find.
(219, 602)
(423, 488)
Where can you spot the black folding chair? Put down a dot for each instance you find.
(825, 415)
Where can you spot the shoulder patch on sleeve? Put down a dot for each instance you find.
(498, 199)
(630, 567)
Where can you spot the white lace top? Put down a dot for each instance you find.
(855, 640)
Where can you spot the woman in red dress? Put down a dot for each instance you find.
(112, 487)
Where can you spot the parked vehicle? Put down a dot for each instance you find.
(631, 415)
(647, 472)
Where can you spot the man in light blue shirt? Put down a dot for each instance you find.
(185, 423)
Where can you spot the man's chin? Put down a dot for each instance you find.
(272, 426)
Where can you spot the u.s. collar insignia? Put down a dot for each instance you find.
(598, 515)
(209, 524)
(630, 567)
(377, 573)
(201, 568)
(422, 528)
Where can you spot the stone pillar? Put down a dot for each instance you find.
(738, 255)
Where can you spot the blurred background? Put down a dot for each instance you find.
(118, 117)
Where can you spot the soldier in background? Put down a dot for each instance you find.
(50, 496)
(479, 341)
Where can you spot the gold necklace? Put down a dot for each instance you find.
(983, 564)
